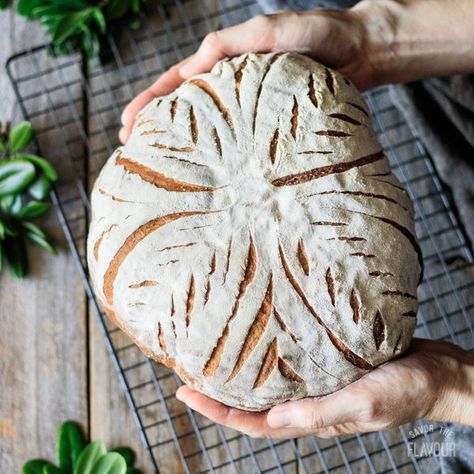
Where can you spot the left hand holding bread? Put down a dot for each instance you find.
(434, 380)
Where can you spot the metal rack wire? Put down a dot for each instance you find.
(75, 112)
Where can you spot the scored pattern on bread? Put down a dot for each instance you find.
(256, 331)
(303, 257)
(322, 171)
(212, 364)
(379, 330)
(211, 272)
(355, 305)
(251, 236)
(269, 362)
(331, 286)
(361, 193)
(238, 77)
(144, 283)
(345, 118)
(358, 107)
(330, 81)
(348, 354)
(190, 300)
(158, 179)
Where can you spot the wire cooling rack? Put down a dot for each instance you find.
(75, 111)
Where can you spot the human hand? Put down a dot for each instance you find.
(333, 37)
(375, 42)
(434, 380)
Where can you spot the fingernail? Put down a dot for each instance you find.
(278, 418)
(179, 395)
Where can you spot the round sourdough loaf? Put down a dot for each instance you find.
(251, 236)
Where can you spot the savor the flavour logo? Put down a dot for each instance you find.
(444, 446)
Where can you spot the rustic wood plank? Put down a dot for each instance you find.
(9, 25)
(110, 416)
(42, 355)
(42, 342)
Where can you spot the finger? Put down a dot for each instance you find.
(123, 135)
(254, 35)
(346, 405)
(165, 84)
(252, 424)
(247, 422)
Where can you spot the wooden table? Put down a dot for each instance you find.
(53, 361)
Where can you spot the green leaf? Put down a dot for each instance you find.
(11, 231)
(88, 457)
(91, 46)
(99, 19)
(25, 7)
(62, 8)
(51, 22)
(48, 10)
(11, 204)
(136, 5)
(3, 228)
(20, 135)
(15, 176)
(4, 4)
(33, 229)
(44, 165)
(2, 145)
(73, 4)
(33, 209)
(70, 440)
(6, 230)
(35, 466)
(42, 242)
(86, 31)
(135, 23)
(40, 187)
(110, 463)
(70, 25)
(126, 453)
(50, 469)
(77, 4)
(15, 252)
(116, 9)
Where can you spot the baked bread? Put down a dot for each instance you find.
(251, 235)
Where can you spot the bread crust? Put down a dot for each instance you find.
(251, 236)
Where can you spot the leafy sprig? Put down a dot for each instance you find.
(80, 24)
(25, 181)
(74, 456)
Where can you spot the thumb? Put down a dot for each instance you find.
(314, 413)
(253, 35)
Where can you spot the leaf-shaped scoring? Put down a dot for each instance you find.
(255, 206)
